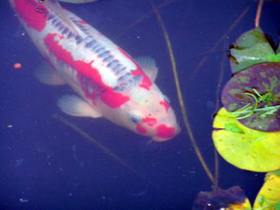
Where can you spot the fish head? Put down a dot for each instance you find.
(149, 113)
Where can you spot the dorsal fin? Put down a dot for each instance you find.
(149, 66)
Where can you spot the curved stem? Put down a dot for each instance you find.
(180, 96)
(258, 13)
(217, 105)
(100, 146)
(216, 172)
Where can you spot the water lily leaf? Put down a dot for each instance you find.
(251, 48)
(278, 49)
(229, 199)
(243, 147)
(268, 197)
(254, 96)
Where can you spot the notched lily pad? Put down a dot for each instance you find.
(243, 147)
(253, 96)
(232, 198)
(269, 196)
(251, 48)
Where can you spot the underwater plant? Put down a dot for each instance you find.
(253, 97)
(247, 129)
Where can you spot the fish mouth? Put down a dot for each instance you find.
(159, 133)
(165, 133)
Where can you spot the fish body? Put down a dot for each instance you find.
(108, 81)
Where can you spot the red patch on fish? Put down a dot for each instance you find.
(33, 13)
(83, 22)
(62, 54)
(113, 99)
(108, 96)
(165, 132)
(165, 104)
(149, 121)
(140, 129)
(146, 82)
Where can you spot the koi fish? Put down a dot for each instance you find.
(107, 81)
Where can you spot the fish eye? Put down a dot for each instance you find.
(135, 118)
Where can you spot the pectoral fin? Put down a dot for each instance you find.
(46, 74)
(149, 67)
(76, 106)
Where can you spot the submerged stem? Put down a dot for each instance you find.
(180, 96)
(216, 171)
(100, 146)
(258, 13)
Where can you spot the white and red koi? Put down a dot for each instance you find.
(108, 81)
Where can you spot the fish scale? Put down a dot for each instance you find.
(125, 79)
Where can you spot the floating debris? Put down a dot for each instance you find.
(219, 199)
(17, 66)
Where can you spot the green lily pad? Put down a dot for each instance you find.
(243, 147)
(254, 97)
(268, 197)
(251, 48)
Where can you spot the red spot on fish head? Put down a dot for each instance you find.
(140, 129)
(33, 13)
(145, 126)
(165, 104)
(150, 121)
(165, 132)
